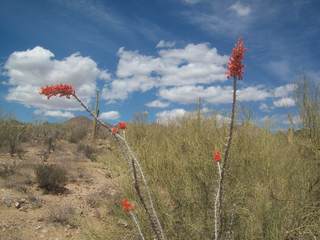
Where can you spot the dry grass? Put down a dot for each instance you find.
(62, 214)
(268, 194)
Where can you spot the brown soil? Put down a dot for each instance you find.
(26, 211)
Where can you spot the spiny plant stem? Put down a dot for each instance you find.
(219, 194)
(154, 220)
(217, 205)
(137, 225)
(128, 153)
(138, 190)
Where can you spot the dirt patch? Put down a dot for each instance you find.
(27, 212)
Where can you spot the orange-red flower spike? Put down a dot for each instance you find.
(63, 90)
(126, 205)
(235, 67)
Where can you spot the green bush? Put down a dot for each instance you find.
(52, 178)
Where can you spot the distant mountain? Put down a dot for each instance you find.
(79, 121)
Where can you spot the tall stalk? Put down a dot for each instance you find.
(146, 201)
(223, 168)
(235, 70)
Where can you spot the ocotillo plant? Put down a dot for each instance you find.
(235, 70)
(128, 208)
(140, 182)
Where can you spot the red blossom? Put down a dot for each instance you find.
(114, 130)
(59, 89)
(217, 156)
(235, 66)
(122, 125)
(126, 205)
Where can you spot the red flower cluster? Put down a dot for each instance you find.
(59, 89)
(126, 205)
(122, 125)
(217, 156)
(235, 66)
(114, 130)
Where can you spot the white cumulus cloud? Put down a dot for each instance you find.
(264, 107)
(170, 115)
(194, 64)
(28, 70)
(54, 113)
(158, 104)
(111, 115)
(284, 102)
(285, 90)
(213, 94)
(241, 9)
(165, 44)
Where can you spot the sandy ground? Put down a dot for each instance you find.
(26, 211)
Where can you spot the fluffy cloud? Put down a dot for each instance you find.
(28, 70)
(285, 90)
(240, 9)
(157, 104)
(165, 44)
(191, 1)
(213, 94)
(296, 120)
(284, 102)
(170, 115)
(194, 64)
(111, 115)
(264, 107)
(180, 75)
(54, 113)
(173, 115)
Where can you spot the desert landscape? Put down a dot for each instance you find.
(159, 120)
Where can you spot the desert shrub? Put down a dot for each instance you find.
(43, 132)
(34, 201)
(52, 178)
(88, 151)
(50, 142)
(308, 101)
(7, 170)
(77, 134)
(62, 214)
(11, 135)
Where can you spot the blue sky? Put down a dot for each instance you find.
(157, 56)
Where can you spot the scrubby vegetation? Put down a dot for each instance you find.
(62, 215)
(272, 188)
(52, 178)
(11, 136)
